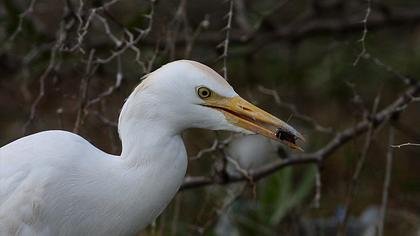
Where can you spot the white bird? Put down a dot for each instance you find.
(57, 183)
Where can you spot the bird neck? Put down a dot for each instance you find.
(144, 142)
(146, 134)
(154, 160)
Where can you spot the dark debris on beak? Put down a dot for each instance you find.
(286, 136)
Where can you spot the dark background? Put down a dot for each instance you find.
(70, 65)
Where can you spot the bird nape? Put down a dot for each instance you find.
(57, 183)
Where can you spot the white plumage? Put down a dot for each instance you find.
(57, 183)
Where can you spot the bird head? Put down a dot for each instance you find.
(188, 94)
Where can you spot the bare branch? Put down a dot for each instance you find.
(217, 145)
(295, 111)
(51, 66)
(387, 180)
(405, 144)
(27, 12)
(112, 88)
(389, 69)
(359, 167)
(364, 34)
(83, 94)
(318, 156)
(225, 43)
(318, 187)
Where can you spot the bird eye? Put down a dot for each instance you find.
(203, 92)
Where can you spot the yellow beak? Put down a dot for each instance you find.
(247, 116)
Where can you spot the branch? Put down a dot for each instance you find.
(319, 156)
(360, 164)
(22, 15)
(364, 34)
(310, 28)
(405, 144)
(387, 180)
(225, 43)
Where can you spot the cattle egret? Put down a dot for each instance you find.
(57, 183)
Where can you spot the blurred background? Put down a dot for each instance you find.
(345, 73)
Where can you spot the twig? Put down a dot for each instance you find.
(22, 15)
(357, 99)
(83, 27)
(83, 92)
(415, 99)
(389, 69)
(225, 43)
(133, 40)
(405, 144)
(241, 17)
(118, 80)
(204, 24)
(222, 210)
(51, 65)
(359, 166)
(320, 155)
(217, 145)
(295, 112)
(387, 180)
(238, 168)
(175, 217)
(318, 187)
(364, 34)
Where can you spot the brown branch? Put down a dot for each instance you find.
(320, 155)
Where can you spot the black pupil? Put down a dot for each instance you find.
(204, 93)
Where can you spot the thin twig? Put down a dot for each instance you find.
(83, 92)
(387, 180)
(364, 34)
(389, 69)
(318, 156)
(118, 80)
(318, 187)
(359, 166)
(51, 65)
(27, 12)
(225, 43)
(405, 144)
(295, 112)
(216, 146)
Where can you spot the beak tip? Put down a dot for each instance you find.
(300, 149)
(300, 137)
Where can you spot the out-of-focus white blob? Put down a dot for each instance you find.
(249, 152)
(245, 153)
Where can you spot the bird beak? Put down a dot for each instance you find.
(243, 114)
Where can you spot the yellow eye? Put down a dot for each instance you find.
(203, 92)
